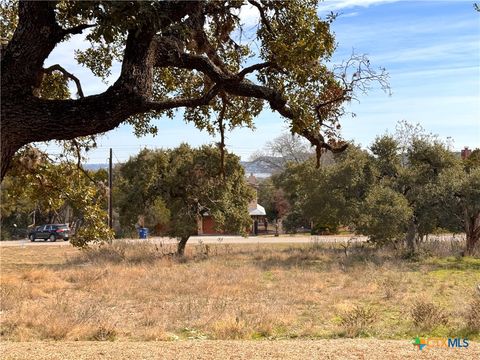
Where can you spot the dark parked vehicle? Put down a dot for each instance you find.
(50, 232)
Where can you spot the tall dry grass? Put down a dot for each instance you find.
(140, 291)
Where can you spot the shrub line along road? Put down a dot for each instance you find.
(196, 240)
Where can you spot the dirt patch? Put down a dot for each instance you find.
(291, 349)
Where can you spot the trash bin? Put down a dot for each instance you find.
(143, 233)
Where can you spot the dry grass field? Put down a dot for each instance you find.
(137, 292)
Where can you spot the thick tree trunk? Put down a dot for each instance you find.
(472, 231)
(181, 246)
(7, 151)
(32, 119)
(26, 118)
(412, 235)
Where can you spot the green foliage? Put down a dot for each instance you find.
(294, 221)
(294, 43)
(272, 199)
(473, 161)
(461, 196)
(53, 191)
(8, 19)
(107, 46)
(421, 181)
(387, 157)
(412, 163)
(469, 192)
(54, 86)
(293, 182)
(385, 215)
(330, 196)
(170, 189)
(409, 186)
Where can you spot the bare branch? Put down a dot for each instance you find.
(356, 73)
(221, 145)
(318, 141)
(263, 17)
(65, 73)
(183, 102)
(77, 29)
(79, 160)
(253, 68)
(169, 54)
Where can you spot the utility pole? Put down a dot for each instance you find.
(110, 202)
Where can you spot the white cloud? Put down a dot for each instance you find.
(331, 5)
(350, 14)
(438, 72)
(469, 45)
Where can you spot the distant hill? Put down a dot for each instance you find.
(262, 167)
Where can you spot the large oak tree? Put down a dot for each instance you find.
(173, 54)
(172, 189)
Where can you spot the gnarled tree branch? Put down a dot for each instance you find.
(65, 73)
(183, 102)
(77, 29)
(253, 68)
(263, 16)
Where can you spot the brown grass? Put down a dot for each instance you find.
(139, 291)
(428, 316)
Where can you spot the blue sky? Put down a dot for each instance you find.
(431, 50)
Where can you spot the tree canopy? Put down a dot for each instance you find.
(43, 190)
(195, 55)
(171, 189)
(407, 186)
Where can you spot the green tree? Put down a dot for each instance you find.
(385, 216)
(56, 192)
(330, 196)
(420, 183)
(461, 200)
(468, 197)
(473, 161)
(411, 173)
(337, 199)
(173, 54)
(411, 163)
(171, 189)
(292, 184)
(273, 200)
(136, 190)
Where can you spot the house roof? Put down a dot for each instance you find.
(259, 210)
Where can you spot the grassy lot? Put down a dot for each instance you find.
(139, 292)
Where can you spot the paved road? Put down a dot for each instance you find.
(285, 239)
